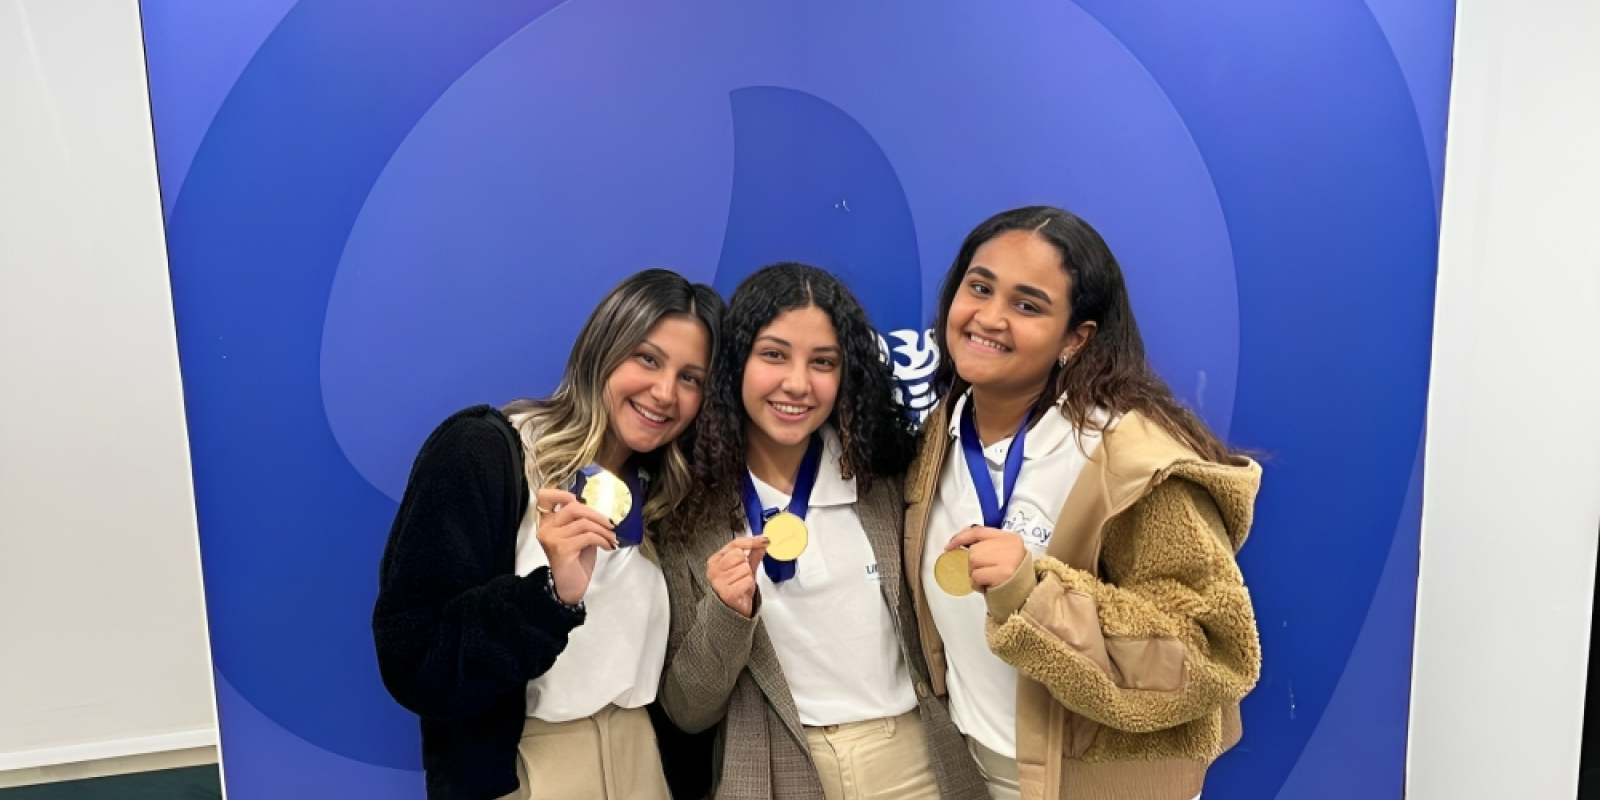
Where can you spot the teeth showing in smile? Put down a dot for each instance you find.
(986, 343)
(784, 408)
(653, 417)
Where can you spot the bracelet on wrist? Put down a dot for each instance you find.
(550, 587)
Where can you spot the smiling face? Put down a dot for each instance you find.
(791, 378)
(656, 392)
(1008, 320)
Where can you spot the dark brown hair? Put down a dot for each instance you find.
(873, 427)
(1110, 372)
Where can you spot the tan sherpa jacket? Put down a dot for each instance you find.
(1134, 636)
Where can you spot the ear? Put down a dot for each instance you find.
(1075, 340)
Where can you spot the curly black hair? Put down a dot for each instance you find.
(873, 427)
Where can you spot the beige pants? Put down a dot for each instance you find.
(609, 756)
(999, 772)
(879, 759)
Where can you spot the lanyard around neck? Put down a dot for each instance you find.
(994, 509)
(799, 503)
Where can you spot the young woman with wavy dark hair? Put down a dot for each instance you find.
(803, 648)
(1110, 637)
(516, 621)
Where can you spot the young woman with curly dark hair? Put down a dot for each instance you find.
(800, 638)
(1110, 637)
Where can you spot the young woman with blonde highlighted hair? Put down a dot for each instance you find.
(525, 628)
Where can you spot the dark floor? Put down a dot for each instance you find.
(185, 783)
(1589, 763)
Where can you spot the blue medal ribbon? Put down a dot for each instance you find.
(994, 509)
(799, 503)
(630, 532)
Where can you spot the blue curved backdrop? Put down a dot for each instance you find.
(378, 212)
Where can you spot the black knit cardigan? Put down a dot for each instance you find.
(459, 634)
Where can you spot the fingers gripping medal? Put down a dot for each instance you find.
(611, 496)
(953, 569)
(786, 536)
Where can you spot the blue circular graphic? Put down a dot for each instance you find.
(394, 214)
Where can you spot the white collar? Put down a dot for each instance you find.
(1044, 437)
(831, 488)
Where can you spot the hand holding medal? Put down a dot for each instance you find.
(987, 557)
(731, 571)
(570, 532)
(599, 512)
(785, 530)
(992, 555)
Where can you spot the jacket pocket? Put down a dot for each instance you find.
(1074, 618)
(1153, 663)
(1081, 733)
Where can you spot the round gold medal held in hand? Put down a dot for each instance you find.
(786, 536)
(953, 573)
(609, 495)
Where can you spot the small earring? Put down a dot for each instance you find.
(1062, 361)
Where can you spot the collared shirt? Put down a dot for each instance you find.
(830, 624)
(983, 689)
(615, 657)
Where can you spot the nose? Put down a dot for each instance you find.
(665, 389)
(797, 380)
(990, 314)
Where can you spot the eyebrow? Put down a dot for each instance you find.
(831, 348)
(663, 354)
(1021, 288)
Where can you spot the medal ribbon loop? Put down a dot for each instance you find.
(799, 503)
(994, 509)
(630, 531)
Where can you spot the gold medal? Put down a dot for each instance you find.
(609, 495)
(953, 573)
(786, 536)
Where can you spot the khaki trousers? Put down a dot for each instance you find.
(999, 772)
(879, 759)
(609, 756)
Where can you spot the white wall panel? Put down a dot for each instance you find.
(1512, 495)
(102, 625)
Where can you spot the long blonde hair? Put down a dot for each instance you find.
(564, 432)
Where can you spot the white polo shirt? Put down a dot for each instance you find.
(830, 624)
(615, 656)
(983, 689)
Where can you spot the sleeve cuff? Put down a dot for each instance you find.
(537, 590)
(1007, 598)
(726, 626)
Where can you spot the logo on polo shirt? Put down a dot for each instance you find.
(1030, 523)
